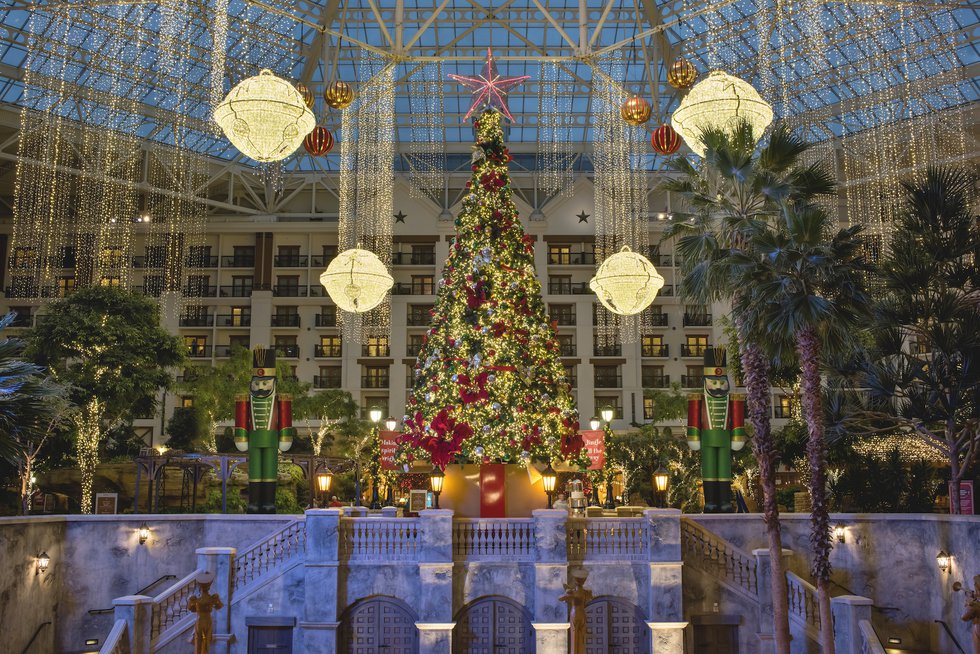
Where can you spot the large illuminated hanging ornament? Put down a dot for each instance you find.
(489, 88)
(265, 117)
(719, 102)
(626, 283)
(339, 95)
(635, 111)
(356, 280)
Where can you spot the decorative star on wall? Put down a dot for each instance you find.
(583, 217)
(489, 88)
(400, 216)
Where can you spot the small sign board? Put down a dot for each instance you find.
(595, 446)
(966, 498)
(417, 500)
(388, 442)
(106, 503)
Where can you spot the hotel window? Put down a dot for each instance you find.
(243, 256)
(241, 285)
(66, 285)
(22, 258)
(423, 285)
(197, 346)
(153, 285)
(615, 401)
(562, 314)
(423, 255)
(329, 377)
(415, 342)
(571, 374)
(653, 377)
(648, 408)
(198, 285)
(238, 340)
(240, 317)
(783, 407)
(694, 346)
(694, 377)
(156, 256)
(652, 345)
(560, 255)
(110, 280)
(186, 401)
(199, 255)
(330, 346)
(67, 257)
(566, 343)
(112, 256)
(380, 402)
(375, 346)
(375, 377)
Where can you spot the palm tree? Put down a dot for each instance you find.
(733, 195)
(807, 289)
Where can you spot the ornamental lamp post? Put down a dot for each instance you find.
(659, 481)
(595, 423)
(391, 423)
(608, 413)
(324, 480)
(375, 415)
(436, 479)
(548, 479)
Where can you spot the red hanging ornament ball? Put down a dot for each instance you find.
(665, 140)
(318, 142)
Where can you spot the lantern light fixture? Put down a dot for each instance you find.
(42, 563)
(719, 102)
(391, 423)
(839, 532)
(356, 280)
(374, 413)
(265, 117)
(595, 423)
(944, 560)
(143, 533)
(548, 479)
(607, 413)
(660, 479)
(626, 283)
(324, 480)
(436, 479)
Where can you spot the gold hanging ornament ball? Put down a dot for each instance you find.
(719, 102)
(356, 280)
(682, 74)
(265, 117)
(307, 94)
(626, 283)
(339, 95)
(635, 111)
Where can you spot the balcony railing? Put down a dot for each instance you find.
(321, 260)
(326, 320)
(236, 291)
(22, 320)
(326, 381)
(285, 320)
(413, 258)
(238, 261)
(692, 381)
(289, 290)
(200, 291)
(328, 351)
(230, 320)
(222, 351)
(571, 258)
(566, 349)
(697, 319)
(655, 351)
(201, 262)
(374, 382)
(197, 321)
(421, 319)
(402, 288)
(655, 381)
(287, 351)
(693, 350)
(413, 349)
(568, 288)
(563, 319)
(290, 260)
(608, 381)
(607, 350)
(199, 351)
(657, 319)
(667, 291)
(150, 291)
(375, 351)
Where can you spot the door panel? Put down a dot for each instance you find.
(378, 626)
(493, 625)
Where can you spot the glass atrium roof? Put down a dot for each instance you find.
(832, 68)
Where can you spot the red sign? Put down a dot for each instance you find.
(388, 440)
(595, 446)
(966, 497)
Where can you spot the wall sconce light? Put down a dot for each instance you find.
(143, 533)
(894, 641)
(92, 641)
(943, 560)
(839, 533)
(43, 561)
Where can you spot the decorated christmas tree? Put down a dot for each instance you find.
(489, 383)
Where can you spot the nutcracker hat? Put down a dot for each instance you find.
(263, 362)
(715, 361)
(205, 578)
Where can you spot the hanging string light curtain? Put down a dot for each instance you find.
(555, 153)
(426, 152)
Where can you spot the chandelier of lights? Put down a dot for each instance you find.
(265, 117)
(719, 102)
(626, 283)
(356, 280)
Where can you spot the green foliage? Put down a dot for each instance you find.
(286, 501)
(236, 504)
(872, 483)
(640, 452)
(669, 404)
(184, 429)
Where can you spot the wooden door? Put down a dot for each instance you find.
(270, 640)
(715, 639)
(378, 625)
(493, 625)
(615, 625)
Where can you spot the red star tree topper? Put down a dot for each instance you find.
(489, 88)
(489, 381)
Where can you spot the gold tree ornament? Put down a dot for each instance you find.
(719, 102)
(635, 111)
(682, 74)
(626, 283)
(339, 95)
(307, 94)
(356, 280)
(265, 117)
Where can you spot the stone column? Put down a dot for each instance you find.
(435, 606)
(767, 632)
(848, 612)
(321, 614)
(550, 574)
(137, 611)
(220, 561)
(665, 602)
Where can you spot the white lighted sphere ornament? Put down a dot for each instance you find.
(356, 280)
(626, 283)
(265, 117)
(719, 102)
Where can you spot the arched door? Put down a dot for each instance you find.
(615, 625)
(378, 625)
(493, 625)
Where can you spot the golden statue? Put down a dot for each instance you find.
(972, 610)
(577, 596)
(202, 604)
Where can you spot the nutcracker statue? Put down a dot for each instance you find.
(716, 426)
(263, 427)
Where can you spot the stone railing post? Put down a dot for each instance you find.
(318, 628)
(767, 630)
(666, 596)
(550, 574)
(848, 612)
(221, 562)
(435, 609)
(137, 611)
